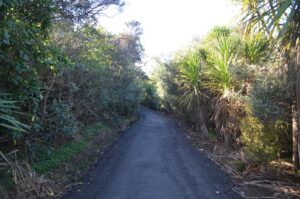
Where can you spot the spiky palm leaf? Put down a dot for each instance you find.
(191, 80)
(254, 49)
(222, 54)
(191, 72)
(280, 19)
(217, 32)
(220, 79)
(7, 120)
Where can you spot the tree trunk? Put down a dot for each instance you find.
(292, 61)
(200, 124)
(295, 137)
(298, 149)
(201, 121)
(228, 140)
(44, 102)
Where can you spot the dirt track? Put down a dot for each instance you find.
(153, 160)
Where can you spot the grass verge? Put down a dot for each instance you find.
(62, 154)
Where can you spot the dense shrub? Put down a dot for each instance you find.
(270, 98)
(62, 74)
(263, 142)
(150, 97)
(259, 146)
(266, 132)
(61, 122)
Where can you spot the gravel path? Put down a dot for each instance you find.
(153, 160)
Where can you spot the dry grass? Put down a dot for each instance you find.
(27, 183)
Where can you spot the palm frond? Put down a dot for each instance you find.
(254, 49)
(190, 75)
(221, 57)
(7, 111)
(274, 17)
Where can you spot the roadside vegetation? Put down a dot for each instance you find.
(239, 88)
(59, 75)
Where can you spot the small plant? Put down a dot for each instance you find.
(58, 156)
(259, 145)
(238, 165)
(212, 134)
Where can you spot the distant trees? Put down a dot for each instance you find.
(150, 96)
(81, 11)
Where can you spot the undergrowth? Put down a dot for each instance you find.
(62, 154)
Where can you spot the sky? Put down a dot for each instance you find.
(170, 25)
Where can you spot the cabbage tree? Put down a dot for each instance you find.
(222, 47)
(191, 80)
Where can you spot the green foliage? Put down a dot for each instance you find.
(238, 165)
(83, 10)
(239, 84)
(150, 97)
(221, 58)
(60, 121)
(269, 101)
(225, 75)
(8, 122)
(270, 98)
(94, 129)
(7, 108)
(217, 32)
(60, 73)
(279, 19)
(255, 49)
(263, 142)
(58, 157)
(212, 134)
(55, 158)
(168, 88)
(190, 71)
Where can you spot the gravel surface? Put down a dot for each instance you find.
(153, 160)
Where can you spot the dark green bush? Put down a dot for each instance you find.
(270, 98)
(269, 101)
(150, 97)
(60, 121)
(258, 142)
